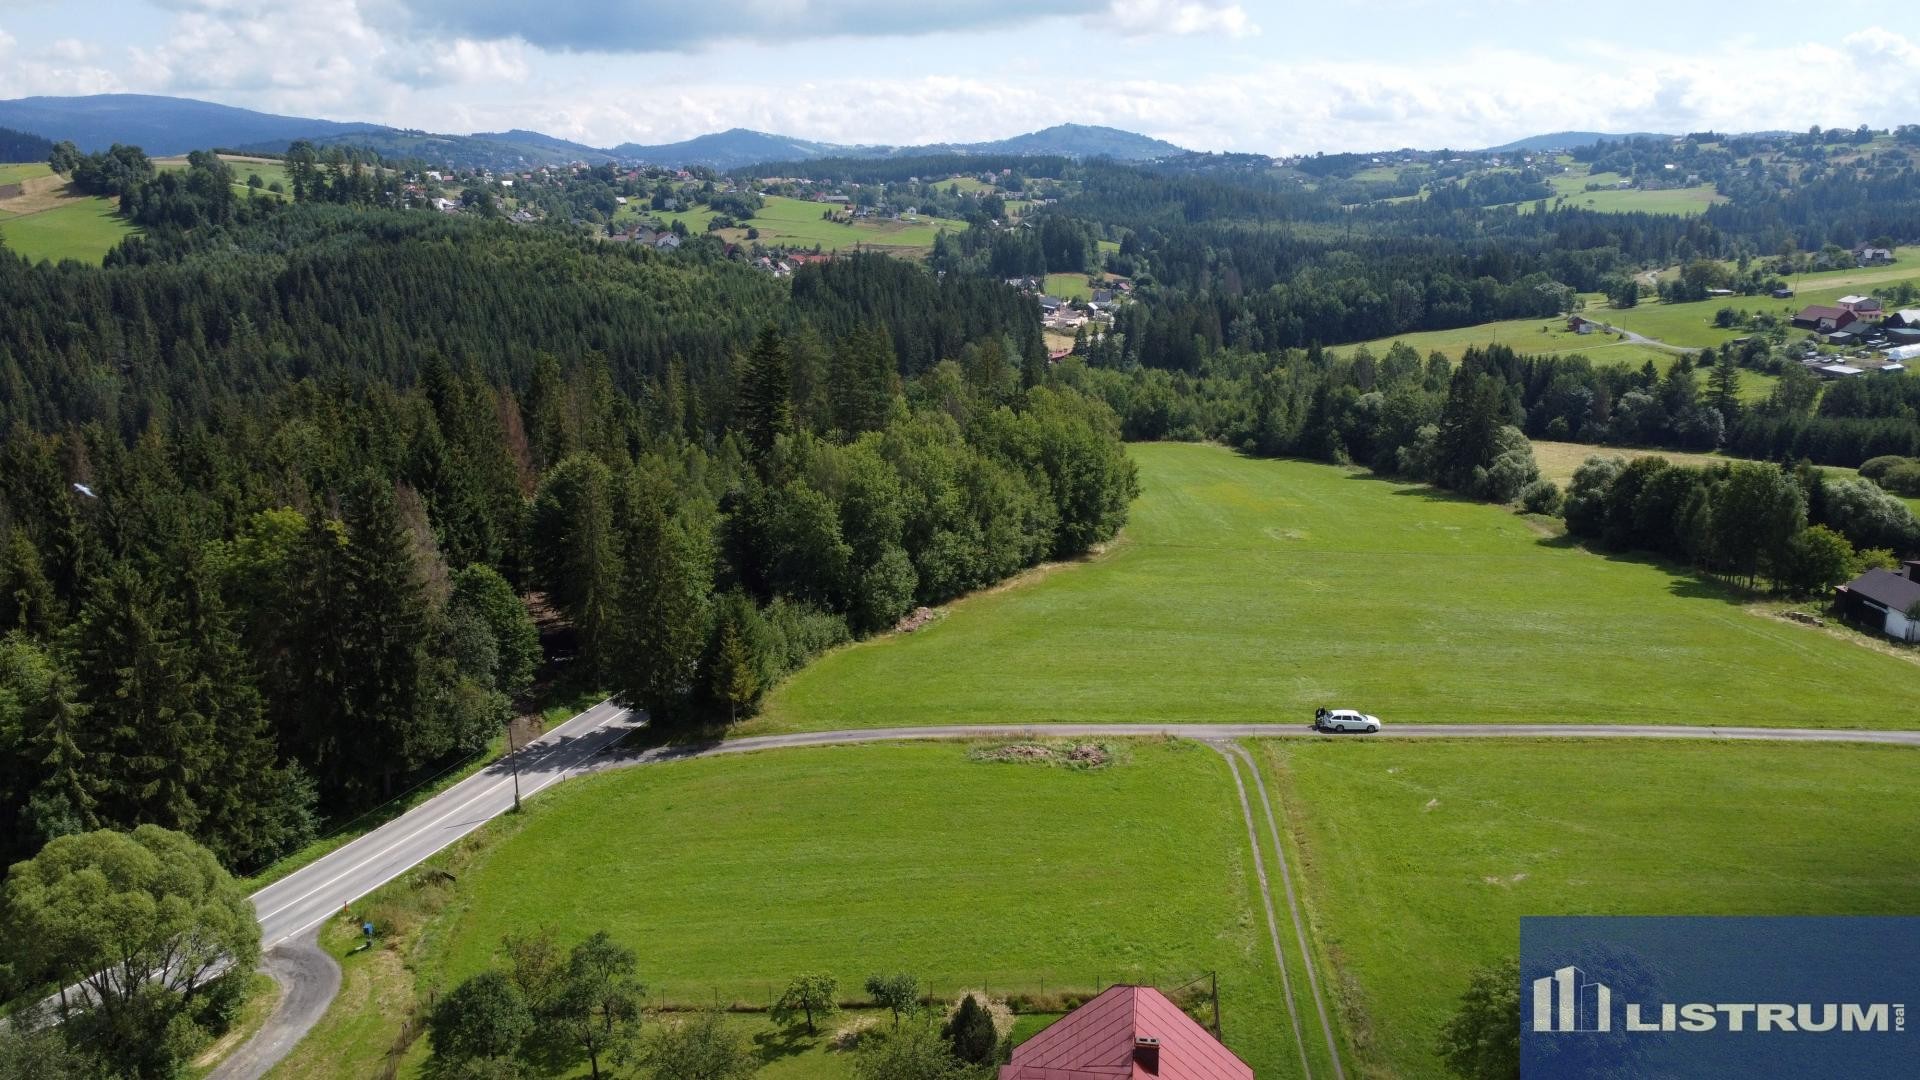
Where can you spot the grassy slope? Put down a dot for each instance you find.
(797, 223)
(13, 174)
(729, 875)
(1545, 337)
(82, 228)
(1255, 590)
(1423, 857)
(1691, 324)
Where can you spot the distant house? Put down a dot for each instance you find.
(1051, 303)
(1126, 1033)
(1865, 307)
(1873, 256)
(1783, 293)
(446, 206)
(1883, 600)
(1904, 319)
(666, 241)
(1580, 324)
(1838, 371)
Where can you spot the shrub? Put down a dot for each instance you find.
(1903, 479)
(1541, 497)
(1876, 468)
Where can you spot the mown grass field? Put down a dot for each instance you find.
(796, 223)
(1569, 188)
(1550, 337)
(13, 174)
(1421, 858)
(729, 875)
(1247, 590)
(81, 228)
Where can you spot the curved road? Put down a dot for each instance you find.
(292, 909)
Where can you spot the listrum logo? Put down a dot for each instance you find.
(1728, 996)
(1567, 1001)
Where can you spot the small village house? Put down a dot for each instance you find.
(1127, 1033)
(1884, 601)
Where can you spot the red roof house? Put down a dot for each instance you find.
(1127, 1033)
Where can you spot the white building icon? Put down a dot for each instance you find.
(1566, 1001)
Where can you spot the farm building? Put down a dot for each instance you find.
(1821, 317)
(1866, 307)
(1903, 353)
(1884, 600)
(1838, 371)
(1128, 1032)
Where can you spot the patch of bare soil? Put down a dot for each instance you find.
(1071, 755)
(915, 619)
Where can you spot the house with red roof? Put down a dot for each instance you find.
(1127, 1033)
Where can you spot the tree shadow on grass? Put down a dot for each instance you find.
(771, 1046)
(1682, 581)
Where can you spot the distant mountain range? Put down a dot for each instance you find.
(160, 125)
(1567, 140)
(166, 126)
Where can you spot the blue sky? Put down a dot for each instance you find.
(1210, 74)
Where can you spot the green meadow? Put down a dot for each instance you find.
(1423, 856)
(1253, 590)
(797, 223)
(728, 875)
(1069, 286)
(84, 229)
(1691, 324)
(13, 174)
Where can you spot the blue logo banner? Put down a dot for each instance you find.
(1697, 997)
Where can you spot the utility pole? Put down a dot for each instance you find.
(514, 765)
(1215, 975)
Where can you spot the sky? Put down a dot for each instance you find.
(1228, 75)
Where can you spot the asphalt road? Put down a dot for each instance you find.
(293, 907)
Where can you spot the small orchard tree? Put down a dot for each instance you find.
(1482, 1040)
(808, 998)
(914, 1051)
(485, 1017)
(970, 1032)
(698, 1047)
(599, 1005)
(899, 993)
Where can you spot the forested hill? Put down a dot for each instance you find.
(275, 481)
(172, 327)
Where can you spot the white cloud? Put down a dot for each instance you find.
(1182, 17)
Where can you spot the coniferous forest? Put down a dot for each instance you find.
(277, 483)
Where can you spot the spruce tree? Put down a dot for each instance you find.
(147, 740)
(575, 553)
(764, 394)
(26, 596)
(386, 724)
(663, 610)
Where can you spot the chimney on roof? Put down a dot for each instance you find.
(1146, 1053)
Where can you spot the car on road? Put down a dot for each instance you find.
(1344, 720)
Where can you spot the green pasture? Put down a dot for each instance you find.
(1255, 590)
(84, 229)
(1691, 324)
(13, 174)
(1536, 336)
(967, 185)
(1424, 856)
(729, 875)
(797, 223)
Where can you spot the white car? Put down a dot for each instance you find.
(1344, 720)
